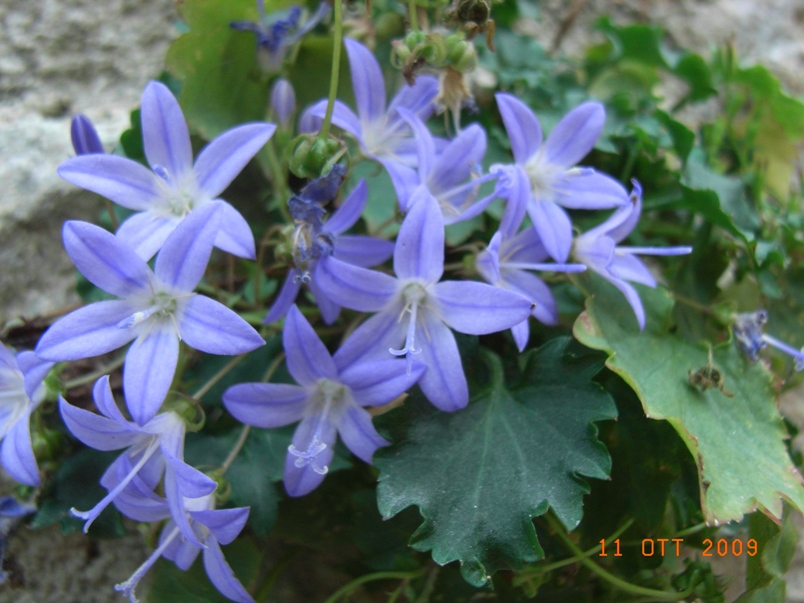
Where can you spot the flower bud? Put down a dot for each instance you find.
(84, 136)
(283, 101)
(313, 157)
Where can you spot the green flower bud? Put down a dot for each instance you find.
(313, 157)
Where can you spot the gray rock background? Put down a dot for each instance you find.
(59, 57)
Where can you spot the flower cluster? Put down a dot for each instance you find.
(409, 338)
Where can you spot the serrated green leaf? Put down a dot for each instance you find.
(738, 443)
(479, 475)
(171, 585)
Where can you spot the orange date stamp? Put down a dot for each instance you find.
(660, 547)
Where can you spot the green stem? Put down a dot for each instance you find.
(348, 588)
(241, 441)
(413, 15)
(112, 217)
(218, 376)
(272, 367)
(267, 586)
(90, 377)
(336, 68)
(661, 595)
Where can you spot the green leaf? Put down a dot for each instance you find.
(253, 472)
(479, 475)
(730, 438)
(776, 545)
(77, 484)
(171, 585)
(222, 85)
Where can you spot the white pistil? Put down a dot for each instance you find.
(138, 317)
(127, 587)
(410, 347)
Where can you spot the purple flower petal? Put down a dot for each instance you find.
(526, 247)
(537, 292)
(224, 524)
(122, 180)
(554, 228)
(624, 220)
(522, 127)
(146, 232)
(444, 382)
(419, 249)
(478, 308)
(363, 251)
(16, 454)
(148, 371)
(378, 382)
(353, 287)
(104, 400)
(221, 574)
(350, 210)
(164, 132)
(418, 98)
(266, 405)
(575, 135)
(517, 192)
(367, 81)
(589, 189)
(234, 235)
(521, 333)
(405, 181)
(425, 146)
(104, 260)
(96, 431)
(633, 299)
(329, 309)
(456, 162)
(307, 358)
(34, 371)
(287, 295)
(358, 433)
(303, 480)
(87, 332)
(371, 340)
(183, 259)
(630, 268)
(226, 156)
(211, 327)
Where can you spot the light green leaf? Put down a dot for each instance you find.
(738, 443)
(479, 475)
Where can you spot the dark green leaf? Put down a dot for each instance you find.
(479, 475)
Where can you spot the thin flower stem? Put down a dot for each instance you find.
(218, 376)
(272, 367)
(241, 440)
(279, 567)
(337, 42)
(691, 530)
(413, 15)
(90, 377)
(351, 586)
(543, 569)
(661, 595)
(112, 217)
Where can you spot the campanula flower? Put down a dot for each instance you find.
(84, 137)
(152, 450)
(328, 401)
(452, 175)
(354, 249)
(748, 333)
(511, 257)
(277, 32)
(618, 264)
(382, 133)
(175, 186)
(21, 392)
(415, 311)
(555, 183)
(157, 308)
(211, 528)
(283, 102)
